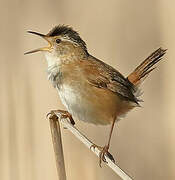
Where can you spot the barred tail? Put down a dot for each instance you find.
(142, 71)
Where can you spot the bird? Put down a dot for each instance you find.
(91, 90)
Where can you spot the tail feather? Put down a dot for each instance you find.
(143, 70)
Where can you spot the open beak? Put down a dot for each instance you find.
(40, 49)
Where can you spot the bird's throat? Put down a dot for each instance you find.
(52, 60)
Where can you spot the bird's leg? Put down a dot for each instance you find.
(104, 150)
(62, 114)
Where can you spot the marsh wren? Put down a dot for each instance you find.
(91, 90)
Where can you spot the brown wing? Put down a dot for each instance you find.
(102, 75)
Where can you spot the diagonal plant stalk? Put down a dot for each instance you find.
(56, 137)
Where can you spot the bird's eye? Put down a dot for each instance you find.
(58, 41)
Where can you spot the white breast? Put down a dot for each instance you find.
(75, 102)
(68, 96)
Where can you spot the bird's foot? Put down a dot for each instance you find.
(62, 114)
(103, 152)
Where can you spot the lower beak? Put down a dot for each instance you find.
(40, 49)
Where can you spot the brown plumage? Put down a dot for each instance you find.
(91, 90)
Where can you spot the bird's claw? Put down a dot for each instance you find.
(62, 114)
(103, 152)
(52, 115)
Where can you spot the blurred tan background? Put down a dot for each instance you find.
(120, 32)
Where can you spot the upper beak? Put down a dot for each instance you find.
(40, 49)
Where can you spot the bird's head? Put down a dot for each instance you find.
(63, 41)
